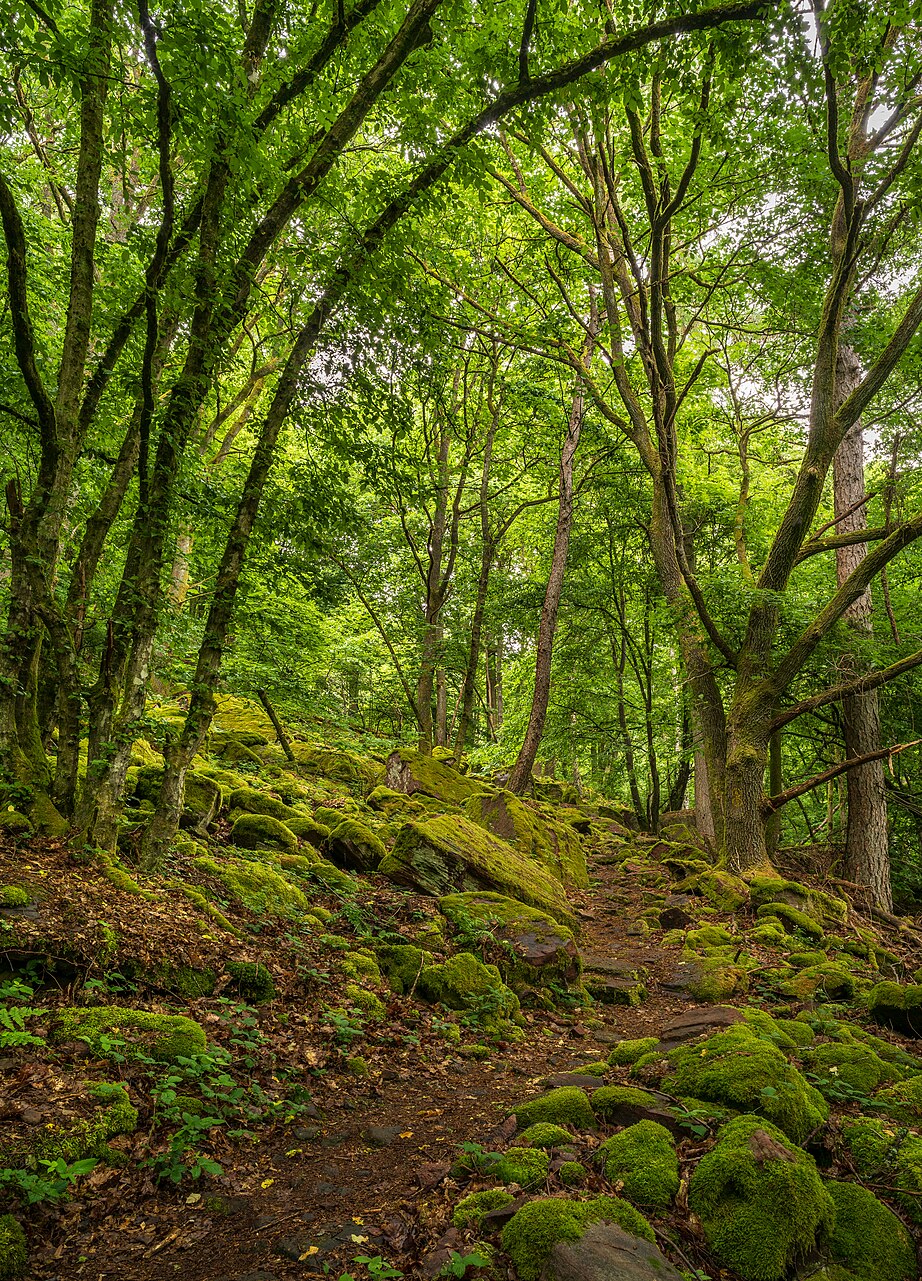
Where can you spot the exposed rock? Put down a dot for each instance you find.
(674, 914)
(606, 1252)
(409, 771)
(693, 1024)
(708, 978)
(444, 854)
(537, 835)
(354, 846)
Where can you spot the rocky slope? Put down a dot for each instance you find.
(380, 1017)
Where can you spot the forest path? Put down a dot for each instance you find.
(365, 1176)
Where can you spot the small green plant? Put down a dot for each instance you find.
(476, 1160)
(15, 1014)
(458, 1264)
(695, 1120)
(842, 1093)
(51, 1184)
(346, 1027)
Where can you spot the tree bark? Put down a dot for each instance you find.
(867, 856)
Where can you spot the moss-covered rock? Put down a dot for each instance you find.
(544, 1134)
(627, 1052)
(773, 889)
(882, 1152)
(831, 981)
(566, 1106)
(470, 1210)
(610, 1102)
(464, 983)
(892, 1005)
(792, 918)
(361, 773)
(760, 1200)
(72, 1140)
(537, 949)
(361, 965)
(643, 1159)
(262, 832)
(707, 978)
(15, 823)
(308, 829)
(525, 1166)
(447, 854)
(261, 888)
(572, 1173)
(868, 1238)
(409, 771)
(162, 1036)
(747, 1073)
(903, 1102)
(252, 980)
(354, 846)
(402, 964)
(531, 1234)
(856, 1065)
(14, 1249)
(536, 835)
(361, 999)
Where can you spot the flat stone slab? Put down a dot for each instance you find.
(692, 1024)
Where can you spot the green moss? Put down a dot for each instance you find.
(566, 1106)
(768, 933)
(628, 1052)
(307, 829)
(739, 1069)
(11, 820)
(727, 892)
(361, 965)
(571, 1174)
(606, 1101)
(355, 845)
(464, 983)
(868, 1238)
(77, 1139)
(547, 840)
(760, 1200)
(784, 1033)
(525, 1166)
(359, 772)
(710, 937)
(903, 1102)
(13, 896)
(402, 965)
(365, 1001)
(201, 902)
(856, 1065)
(792, 918)
(444, 854)
(892, 1005)
(409, 771)
(187, 981)
(14, 1249)
(804, 960)
(830, 980)
(871, 1144)
(252, 980)
(531, 1234)
(257, 886)
(536, 950)
(162, 1036)
(544, 1134)
(262, 831)
(470, 1210)
(357, 1066)
(643, 1158)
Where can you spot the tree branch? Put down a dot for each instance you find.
(773, 803)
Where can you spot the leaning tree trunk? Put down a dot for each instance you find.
(520, 777)
(867, 856)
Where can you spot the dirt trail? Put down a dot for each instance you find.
(363, 1177)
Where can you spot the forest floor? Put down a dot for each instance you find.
(318, 1142)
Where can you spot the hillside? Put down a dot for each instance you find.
(381, 1018)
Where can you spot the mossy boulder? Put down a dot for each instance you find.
(17, 824)
(741, 1070)
(409, 772)
(308, 829)
(531, 1234)
(537, 949)
(829, 980)
(258, 886)
(568, 1105)
(163, 1036)
(525, 1166)
(262, 832)
(544, 1134)
(896, 1006)
(202, 796)
(903, 1102)
(772, 889)
(868, 1238)
(354, 846)
(14, 896)
(361, 773)
(402, 964)
(627, 1052)
(553, 843)
(793, 919)
(882, 1152)
(448, 854)
(643, 1159)
(252, 980)
(707, 978)
(464, 983)
(470, 1210)
(245, 720)
(855, 1065)
(760, 1200)
(72, 1140)
(14, 1249)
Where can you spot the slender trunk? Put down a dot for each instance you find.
(867, 856)
(775, 787)
(520, 777)
(441, 700)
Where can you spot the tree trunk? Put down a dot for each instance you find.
(520, 776)
(867, 856)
